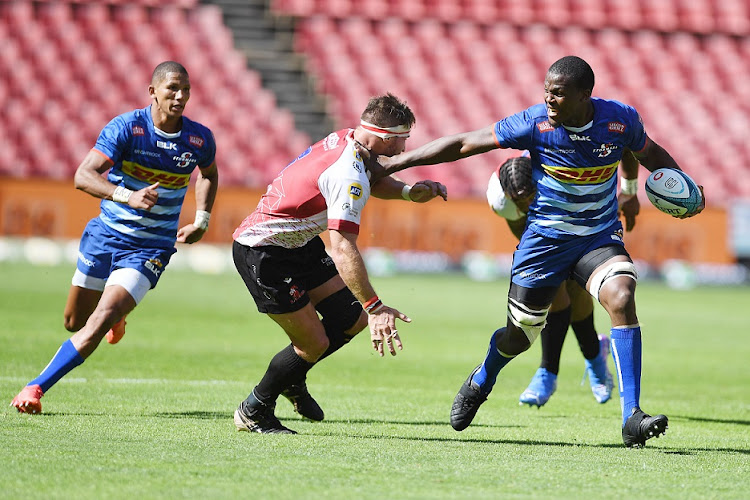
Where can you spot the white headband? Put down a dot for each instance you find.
(386, 132)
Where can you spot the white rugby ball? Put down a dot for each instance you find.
(673, 192)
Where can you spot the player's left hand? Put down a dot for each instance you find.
(424, 191)
(190, 234)
(383, 330)
(629, 207)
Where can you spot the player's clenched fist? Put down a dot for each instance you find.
(144, 198)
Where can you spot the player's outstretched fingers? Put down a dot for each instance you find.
(395, 342)
(377, 344)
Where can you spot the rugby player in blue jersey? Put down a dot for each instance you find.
(150, 154)
(576, 142)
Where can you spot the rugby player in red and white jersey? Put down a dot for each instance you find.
(283, 261)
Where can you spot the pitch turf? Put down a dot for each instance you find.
(152, 416)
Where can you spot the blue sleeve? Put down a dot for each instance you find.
(515, 131)
(113, 139)
(210, 151)
(636, 132)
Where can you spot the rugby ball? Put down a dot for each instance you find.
(673, 192)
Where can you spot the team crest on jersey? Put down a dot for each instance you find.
(605, 150)
(355, 191)
(331, 141)
(185, 159)
(196, 141)
(616, 127)
(590, 175)
(138, 130)
(545, 127)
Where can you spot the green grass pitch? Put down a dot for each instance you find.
(152, 416)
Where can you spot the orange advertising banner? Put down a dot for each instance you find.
(55, 209)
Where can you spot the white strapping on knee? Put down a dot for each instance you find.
(135, 282)
(88, 282)
(531, 321)
(613, 270)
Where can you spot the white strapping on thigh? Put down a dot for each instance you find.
(86, 281)
(613, 270)
(135, 282)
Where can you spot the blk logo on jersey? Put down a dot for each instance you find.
(155, 266)
(576, 137)
(169, 146)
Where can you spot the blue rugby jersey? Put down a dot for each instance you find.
(143, 155)
(574, 168)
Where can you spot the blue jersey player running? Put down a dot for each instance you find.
(150, 154)
(576, 142)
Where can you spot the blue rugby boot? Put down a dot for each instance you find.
(598, 372)
(540, 389)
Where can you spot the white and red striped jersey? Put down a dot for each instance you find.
(326, 187)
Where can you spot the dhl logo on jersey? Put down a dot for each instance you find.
(167, 180)
(585, 175)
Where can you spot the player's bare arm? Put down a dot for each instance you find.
(627, 200)
(381, 318)
(446, 149)
(517, 226)
(393, 188)
(88, 178)
(654, 157)
(206, 186)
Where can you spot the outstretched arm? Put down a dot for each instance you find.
(351, 267)
(446, 149)
(393, 188)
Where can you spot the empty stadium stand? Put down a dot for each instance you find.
(67, 67)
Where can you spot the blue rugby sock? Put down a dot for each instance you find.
(66, 358)
(626, 351)
(493, 362)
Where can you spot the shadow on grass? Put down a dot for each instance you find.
(712, 420)
(463, 438)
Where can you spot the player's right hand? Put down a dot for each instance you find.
(383, 329)
(424, 191)
(144, 198)
(629, 206)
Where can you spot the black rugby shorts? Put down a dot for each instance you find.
(278, 278)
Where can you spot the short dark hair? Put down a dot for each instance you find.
(388, 111)
(160, 72)
(515, 177)
(576, 70)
